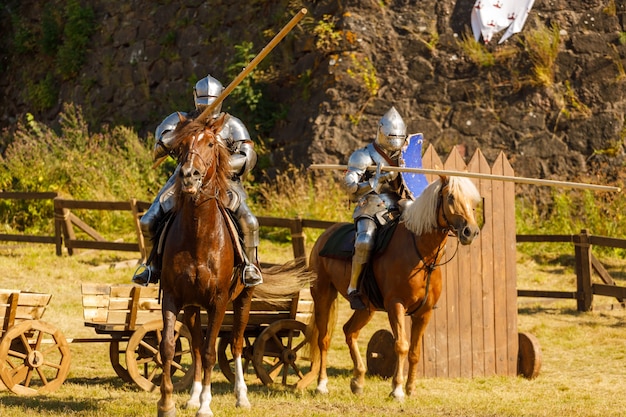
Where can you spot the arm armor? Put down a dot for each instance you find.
(356, 181)
(243, 159)
(237, 139)
(164, 134)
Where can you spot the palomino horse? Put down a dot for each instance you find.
(198, 261)
(407, 276)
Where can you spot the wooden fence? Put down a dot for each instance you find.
(5, 237)
(473, 331)
(65, 222)
(585, 264)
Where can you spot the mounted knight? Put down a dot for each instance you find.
(379, 196)
(235, 137)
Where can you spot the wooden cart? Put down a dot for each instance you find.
(34, 355)
(130, 316)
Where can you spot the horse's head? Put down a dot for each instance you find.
(458, 200)
(202, 158)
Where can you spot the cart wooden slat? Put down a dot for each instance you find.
(131, 314)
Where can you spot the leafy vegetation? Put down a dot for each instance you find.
(476, 51)
(116, 165)
(247, 100)
(75, 163)
(60, 40)
(542, 46)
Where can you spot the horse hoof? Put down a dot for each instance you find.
(357, 389)
(192, 405)
(322, 387)
(169, 413)
(243, 403)
(205, 414)
(397, 395)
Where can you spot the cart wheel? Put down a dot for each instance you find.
(528, 356)
(226, 361)
(34, 358)
(143, 359)
(278, 353)
(381, 354)
(115, 355)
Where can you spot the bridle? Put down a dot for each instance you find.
(191, 154)
(430, 267)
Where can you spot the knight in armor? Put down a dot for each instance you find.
(236, 138)
(379, 195)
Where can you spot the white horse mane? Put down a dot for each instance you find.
(421, 215)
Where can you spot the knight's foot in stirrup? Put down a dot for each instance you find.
(147, 276)
(356, 303)
(252, 276)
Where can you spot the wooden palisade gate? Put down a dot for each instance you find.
(473, 331)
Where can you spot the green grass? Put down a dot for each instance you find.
(582, 372)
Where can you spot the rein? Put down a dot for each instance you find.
(430, 267)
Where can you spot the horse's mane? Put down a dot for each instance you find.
(186, 130)
(421, 216)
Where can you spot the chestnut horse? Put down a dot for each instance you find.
(406, 273)
(198, 262)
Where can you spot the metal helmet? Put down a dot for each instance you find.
(206, 91)
(391, 133)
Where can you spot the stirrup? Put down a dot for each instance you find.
(356, 303)
(145, 277)
(251, 275)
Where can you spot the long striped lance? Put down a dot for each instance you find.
(493, 177)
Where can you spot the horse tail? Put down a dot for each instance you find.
(313, 332)
(281, 281)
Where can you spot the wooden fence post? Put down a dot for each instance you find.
(297, 239)
(58, 228)
(63, 227)
(582, 250)
(140, 241)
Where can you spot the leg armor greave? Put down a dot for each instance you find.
(163, 202)
(249, 226)
(364, 242)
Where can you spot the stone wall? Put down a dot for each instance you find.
(144, 57)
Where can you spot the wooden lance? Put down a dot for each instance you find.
(248, 69)
(494, 177)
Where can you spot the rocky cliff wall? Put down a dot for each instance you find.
(327, 84)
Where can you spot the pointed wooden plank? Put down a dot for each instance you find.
(478, 163)
(455, 260)
(434, 351)
(487, 266)
(439, 318)
(499, 254)
(510, 269)
(431, 160)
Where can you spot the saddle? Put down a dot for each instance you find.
(231, 223)
(341, 246)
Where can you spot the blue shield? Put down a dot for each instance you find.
(412, 158)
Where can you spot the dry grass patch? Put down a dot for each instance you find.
(582, 374)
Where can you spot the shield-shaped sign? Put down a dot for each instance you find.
(412, 158)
